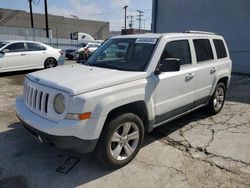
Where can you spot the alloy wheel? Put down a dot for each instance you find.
(124, 141)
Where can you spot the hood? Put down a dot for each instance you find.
(78, 79)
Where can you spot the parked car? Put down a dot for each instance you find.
(24, 55)
(70, 53)
(108, 104)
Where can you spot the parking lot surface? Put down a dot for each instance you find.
(197, 150)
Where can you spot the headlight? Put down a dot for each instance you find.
(59, 103)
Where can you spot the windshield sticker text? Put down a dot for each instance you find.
(146, 41)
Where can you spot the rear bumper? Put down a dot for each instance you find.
(64, 142)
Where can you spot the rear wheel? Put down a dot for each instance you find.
(217, 100)
(49, 63)
(120, 140)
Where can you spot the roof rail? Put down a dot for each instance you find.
(200, 32)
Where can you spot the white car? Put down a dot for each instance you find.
(24, 55)
(111, 101)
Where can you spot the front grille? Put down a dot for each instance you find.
(35, 99)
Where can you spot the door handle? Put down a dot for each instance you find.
(213, 70)
(189, 77)
(23, 54)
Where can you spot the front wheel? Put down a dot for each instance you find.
(217, 100)
(50, 63)
(120, 140)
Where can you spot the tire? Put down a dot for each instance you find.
(50, 63)
(120, 151)
(217, 100)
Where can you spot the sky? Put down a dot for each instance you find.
(103, 10)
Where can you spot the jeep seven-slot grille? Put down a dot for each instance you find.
(35, 99)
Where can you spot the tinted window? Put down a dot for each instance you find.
(203, 50)
(178, 49)
(220, 48)
(34, 47)
(16, 47)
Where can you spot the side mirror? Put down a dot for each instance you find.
(5, 50)
(168, 65)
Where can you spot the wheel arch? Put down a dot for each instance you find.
(138, 108)
(224, 80)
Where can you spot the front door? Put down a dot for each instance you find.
(175, 90)
(14, 58)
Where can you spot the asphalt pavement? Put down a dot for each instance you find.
(196, 150)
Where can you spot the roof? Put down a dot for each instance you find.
(158, 35)
(19, 41)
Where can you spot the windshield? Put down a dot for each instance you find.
(3, 44)
(129, 54)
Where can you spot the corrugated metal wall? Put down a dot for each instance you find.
(229, 18)
(56, 43)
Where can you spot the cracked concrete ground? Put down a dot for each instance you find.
(194, 151)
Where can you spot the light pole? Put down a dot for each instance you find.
(125, 21)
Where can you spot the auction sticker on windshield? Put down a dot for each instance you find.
(146, 41)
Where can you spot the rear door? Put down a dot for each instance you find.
(15, 58)
(206, 69)
(37, 54)
(175, 90)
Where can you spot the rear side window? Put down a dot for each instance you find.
(35, 47)
(220, 48)
(178, 49)
(203, 50)
(16, 47)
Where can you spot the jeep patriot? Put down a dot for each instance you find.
(129, 86)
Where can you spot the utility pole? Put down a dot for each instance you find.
(125, 21)
(31, 14)
(131, 22)
(139, 19)
(46, 18)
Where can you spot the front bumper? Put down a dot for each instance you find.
(80, 136)
(63, 142)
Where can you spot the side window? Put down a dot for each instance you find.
(203, 50)
(34, 47)
(220, 48)
(16, 47)
(178, 49)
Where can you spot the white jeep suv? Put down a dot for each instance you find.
(107, 104)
